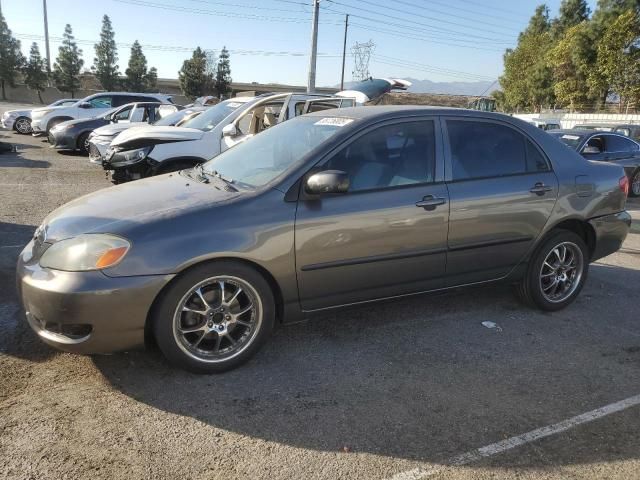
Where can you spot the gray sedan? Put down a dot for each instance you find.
(330, 209)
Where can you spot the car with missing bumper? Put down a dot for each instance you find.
(326, 210)
(74, 134)
(20, 120)
(606, 147)
(100, 139)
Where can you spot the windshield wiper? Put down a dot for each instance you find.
(201, 175)
(228, 181)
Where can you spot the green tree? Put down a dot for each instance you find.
(105, 63)
(194, 79)
(139, 79)
(35, 74)
(527, 81)
(619, 56)
(223, 74)
(68, 64)
(572, 13)
(11, 59)
(572, 60)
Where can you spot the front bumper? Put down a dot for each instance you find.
(611, 231)
(37, 127)
(62, 139)
(97, 149)
(85, 312)
(8, 122)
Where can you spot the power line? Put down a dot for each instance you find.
(432, 68)
(480, 4)
(422, 24)
(248, 16)
(425, 27)
(431, 9)
(396, 33)
(493, 15)
(173, 48)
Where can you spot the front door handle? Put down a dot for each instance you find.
(540, 189)
(430, 202)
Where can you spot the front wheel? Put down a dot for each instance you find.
(83, 143)
(556, 273)
(634, 186)
(215, 317)
(23, 125)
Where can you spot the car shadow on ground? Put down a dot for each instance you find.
(419, 378)
(15, 159)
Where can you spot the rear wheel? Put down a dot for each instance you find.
(23, 125)
(215, 317)
(556, 273)
(634, 186)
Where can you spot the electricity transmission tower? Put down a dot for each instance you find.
(361, 56)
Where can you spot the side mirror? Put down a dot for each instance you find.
(329, 181)
(230, 130)
(85, 105)
(591, 150)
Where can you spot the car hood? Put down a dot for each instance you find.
(114, 128)
(118, 208)
(150, 135)
(18, 113)
(41, 109)
(86, 122)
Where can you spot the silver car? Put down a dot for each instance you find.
(329, 209)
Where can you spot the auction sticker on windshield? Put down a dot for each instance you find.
(571, 137)
(335, 121)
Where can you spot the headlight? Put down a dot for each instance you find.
(93, 251)
(62, 127)
(129, 157)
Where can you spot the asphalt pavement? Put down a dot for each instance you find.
(407, 389)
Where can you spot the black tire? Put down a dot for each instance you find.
(530, 290)
(170, 313)
(82, 143)
(22, 125)
(634, 180)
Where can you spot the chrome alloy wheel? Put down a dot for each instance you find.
(217, 319)
(561, 272)
(23, 125)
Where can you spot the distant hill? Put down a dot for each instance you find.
(447, 88)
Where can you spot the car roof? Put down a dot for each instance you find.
(382, 111)
(577, 131)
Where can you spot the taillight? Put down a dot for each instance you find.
(624, 185)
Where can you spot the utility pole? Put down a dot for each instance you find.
(46, 35)
(311, 82)
(344, 50)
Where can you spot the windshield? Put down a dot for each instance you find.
(568, 139)
(213, 116)
(264, 157)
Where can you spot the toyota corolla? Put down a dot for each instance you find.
(330, 209)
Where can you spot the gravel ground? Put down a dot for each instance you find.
(364, 393)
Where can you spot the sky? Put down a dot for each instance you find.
(269, 40)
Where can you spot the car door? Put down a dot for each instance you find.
(619, 148)
(502, 191)
(387, 235)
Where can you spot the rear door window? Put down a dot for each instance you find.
(616, 144)
(481, 149)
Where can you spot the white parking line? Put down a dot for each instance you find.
(519, 440)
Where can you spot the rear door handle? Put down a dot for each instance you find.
(540, 188)
(430, 202)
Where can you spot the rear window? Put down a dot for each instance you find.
(487, 149)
